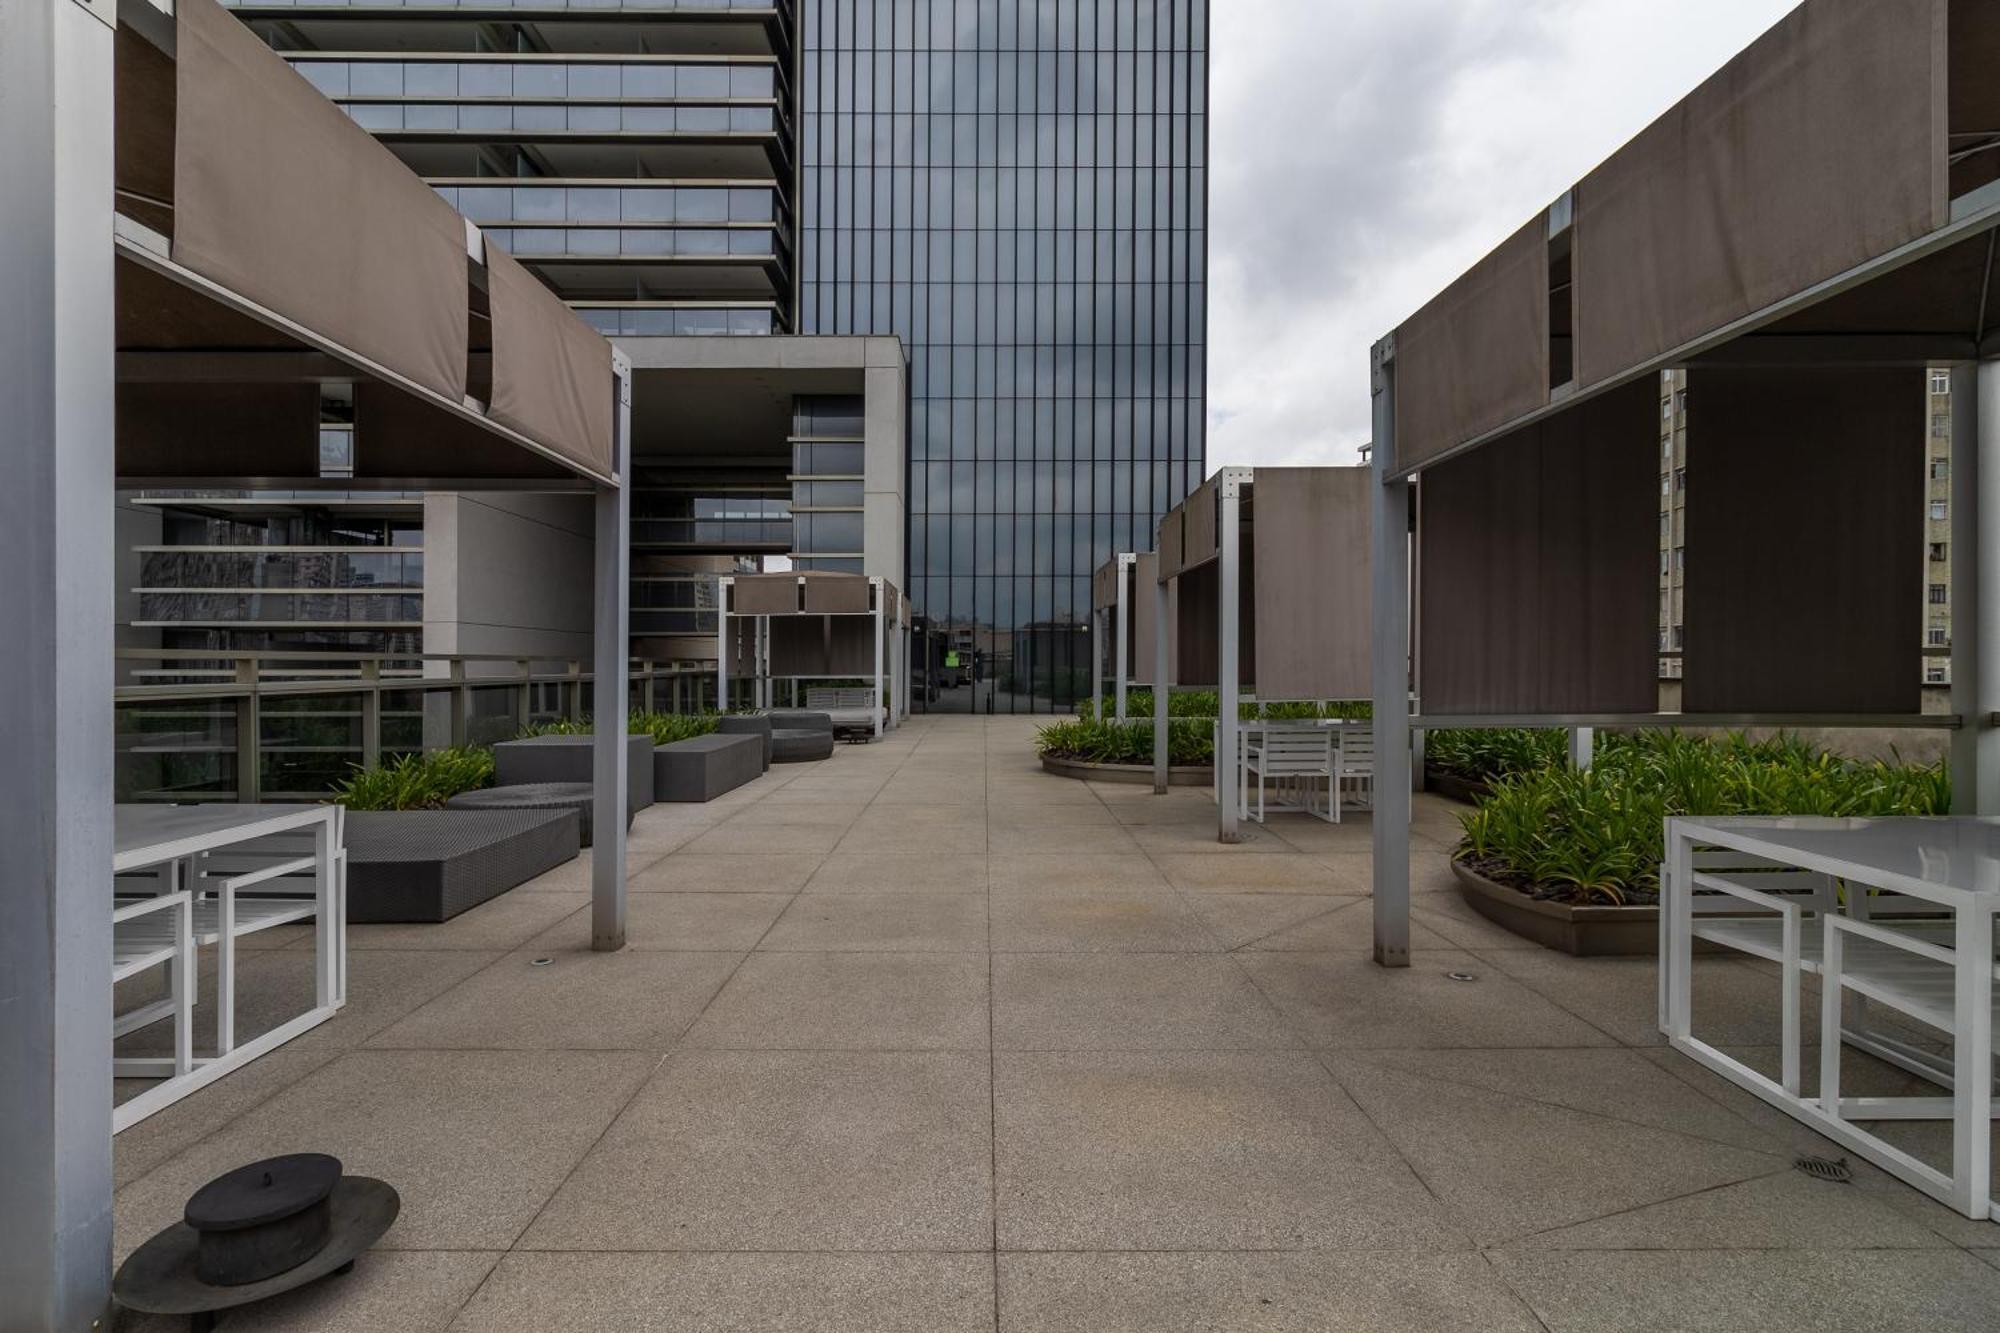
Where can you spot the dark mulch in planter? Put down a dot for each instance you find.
(1496, 870)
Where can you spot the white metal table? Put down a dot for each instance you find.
(182, 876)
(1895, 912)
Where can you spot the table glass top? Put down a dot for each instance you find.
(1961, 853)
(139, 826)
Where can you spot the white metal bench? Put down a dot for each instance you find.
(1294, 760)
(852, 709)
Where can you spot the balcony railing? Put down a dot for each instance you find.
(238, 726)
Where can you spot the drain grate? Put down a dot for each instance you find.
(1461, 976)
(1828, 1169)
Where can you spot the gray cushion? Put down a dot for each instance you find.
(798, 719)
(790, 745)
(741, 724)
(704, 767)
(569, 759)
(430, 865)
(577, 796)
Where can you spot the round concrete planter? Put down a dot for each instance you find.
(1586, 932)
(1134, 773)
(1453, 787)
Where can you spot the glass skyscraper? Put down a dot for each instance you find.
(1018, 189)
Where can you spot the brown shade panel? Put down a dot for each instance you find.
(766, 595)
(1104, 585)
(1804, 541)
(1477, 356)
(399, 435)
(143, 119)
(552, 377)
(279, 197)
(1171, 531)
(825, 646)
(837, 594)
(1312, 589)
(237, 433)
(1539, 566)
(1201, 515)
(1819, 147)
(1145, 580)
(1975, 92)
(1196, 644)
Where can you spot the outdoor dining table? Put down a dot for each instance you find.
(1897, 912)
(192, 875)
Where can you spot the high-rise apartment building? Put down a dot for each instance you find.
(1015, 189)
(1018, 189)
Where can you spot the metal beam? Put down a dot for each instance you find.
(56, 543)
(1389, 528)
(612, 685)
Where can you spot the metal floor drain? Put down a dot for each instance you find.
(1462, 976)
(540, 962)
(1833, 1171)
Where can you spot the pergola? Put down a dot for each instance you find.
(1805, 234)
(1298, 544)
(1121, 623)
(194, 245)
(811, 626)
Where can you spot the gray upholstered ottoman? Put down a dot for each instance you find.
(704, 767)
(568, 759)
(577, 796)
(430, 865)
(799, 745)
(740, 724)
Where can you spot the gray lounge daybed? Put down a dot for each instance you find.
(743, 724)
(799, 737)
(705, 767)
(536, 759)
(430, 865)
(577, 796)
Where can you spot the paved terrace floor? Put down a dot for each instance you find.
(920, 1040)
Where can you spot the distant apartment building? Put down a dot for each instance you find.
(1933, 656)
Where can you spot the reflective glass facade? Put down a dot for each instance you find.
(1018, 189)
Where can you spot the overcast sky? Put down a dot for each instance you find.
(1366, 152)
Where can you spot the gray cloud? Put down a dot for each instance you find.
(1364, 152)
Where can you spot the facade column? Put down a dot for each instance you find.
(1975, 575)
(1097, 663)
(1125, 566)
(57, 510)
(611, 700)
(1390, 532)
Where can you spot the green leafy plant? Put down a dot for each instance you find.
(1208, 704)
(417, 781)
(664, 728)
(1190, 742)
(1481, 756)
(1597, 836)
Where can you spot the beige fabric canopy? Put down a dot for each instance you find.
(276, 246)
(1304, 585)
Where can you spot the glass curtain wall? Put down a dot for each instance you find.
(1018, 189)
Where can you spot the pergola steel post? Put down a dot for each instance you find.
(1582, 747)
(612, 686)
(1975, 575)
(1229, 530)
(881, 594)
(1161, 684)
(1390, 526)
(1097, 664)
(1126, 563)
(56, 541)
(722, 589)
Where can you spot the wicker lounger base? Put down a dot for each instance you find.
(577, 796)
(739, 724)
(705, 767)
(573, 759)
(791, 746)
(430, 865)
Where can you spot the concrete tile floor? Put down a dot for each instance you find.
(920, 1038)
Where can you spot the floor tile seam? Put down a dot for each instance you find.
(1508, 1285)
(1481, 954)
(1777, 1152)
(638, 1086)
(213, 1130)
(1248, 945)
(1446, 1215)
(500, 957)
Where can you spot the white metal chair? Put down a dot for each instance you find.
(1354, 769)
(1294, 760)
(850, 708)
